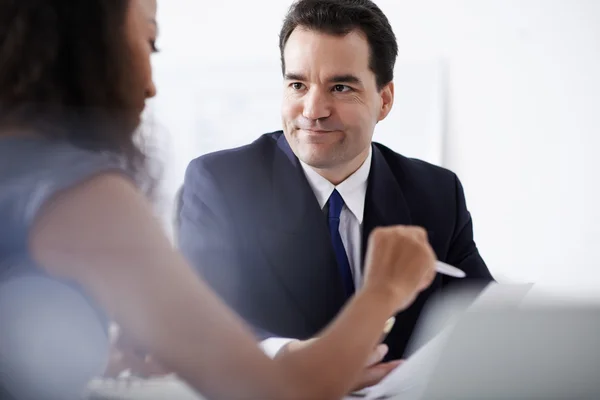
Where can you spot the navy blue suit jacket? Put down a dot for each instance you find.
(251, 225)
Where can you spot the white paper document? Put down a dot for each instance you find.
(408, 380)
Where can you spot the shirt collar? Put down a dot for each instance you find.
(353, 190)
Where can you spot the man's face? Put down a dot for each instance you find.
(331, 102)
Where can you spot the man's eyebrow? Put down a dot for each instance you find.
(345, 78)
(294, 77)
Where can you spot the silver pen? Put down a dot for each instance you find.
(449, 270)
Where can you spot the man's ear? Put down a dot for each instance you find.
(387, 100)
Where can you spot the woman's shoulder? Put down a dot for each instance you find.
(39, 157)
(32, 170)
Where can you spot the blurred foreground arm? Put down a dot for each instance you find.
(103, 235)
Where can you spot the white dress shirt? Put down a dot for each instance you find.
(353, 190)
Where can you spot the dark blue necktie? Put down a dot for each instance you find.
(336, 203)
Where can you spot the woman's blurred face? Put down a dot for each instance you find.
(141, 31)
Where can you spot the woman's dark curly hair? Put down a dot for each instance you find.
(64, 72)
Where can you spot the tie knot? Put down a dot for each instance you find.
(336, 203)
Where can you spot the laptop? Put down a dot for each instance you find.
(503, 347)
(542, 352)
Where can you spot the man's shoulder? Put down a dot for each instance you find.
(239, 160)
(413, 169)
(432, 193)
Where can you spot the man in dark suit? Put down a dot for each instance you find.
(278, 227)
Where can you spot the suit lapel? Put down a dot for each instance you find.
(297, 243)
(385, 203)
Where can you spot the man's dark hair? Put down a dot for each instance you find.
(340, 17)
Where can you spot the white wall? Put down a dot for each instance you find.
(523, 85)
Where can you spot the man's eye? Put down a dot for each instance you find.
(341, 88)
(297, 86)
